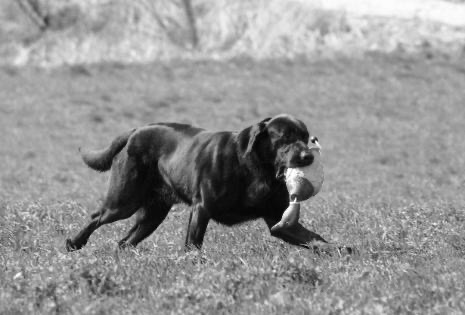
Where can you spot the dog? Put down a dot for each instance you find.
(228, 177)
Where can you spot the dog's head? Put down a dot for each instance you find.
(280, 142)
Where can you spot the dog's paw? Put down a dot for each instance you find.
(70, 247)
(332, 249)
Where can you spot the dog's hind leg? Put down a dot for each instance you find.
(107, 215)
(148, 219)
(122, 243)
(124, 198)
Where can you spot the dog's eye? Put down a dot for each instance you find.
(314, 140)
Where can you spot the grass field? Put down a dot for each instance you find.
(392, 130)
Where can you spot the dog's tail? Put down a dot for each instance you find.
(101, 160)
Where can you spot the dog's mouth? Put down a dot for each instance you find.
(289, 163)
(292, 163)
(305, 157)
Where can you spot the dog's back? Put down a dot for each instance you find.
(101, 160)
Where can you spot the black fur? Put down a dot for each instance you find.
(230, 177)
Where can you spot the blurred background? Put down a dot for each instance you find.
(50, 32)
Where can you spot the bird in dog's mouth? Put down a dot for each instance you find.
(302, 183)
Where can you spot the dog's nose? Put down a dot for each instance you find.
(307, 157)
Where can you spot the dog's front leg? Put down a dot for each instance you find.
(198, 222)
(297, 234)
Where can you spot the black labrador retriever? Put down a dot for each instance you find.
(230, 177)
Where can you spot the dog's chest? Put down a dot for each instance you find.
(260, 192)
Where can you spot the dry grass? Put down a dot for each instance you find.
(146, 30)
(392, 131)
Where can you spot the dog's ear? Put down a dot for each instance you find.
(255, 132)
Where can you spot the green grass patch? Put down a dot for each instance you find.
(392, 131)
